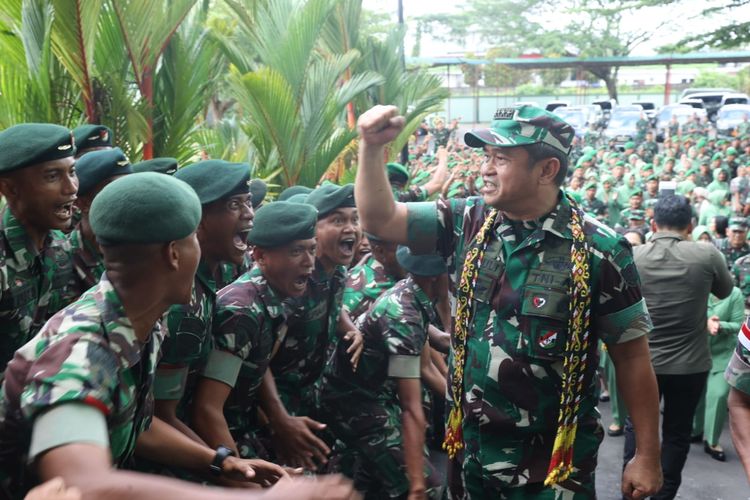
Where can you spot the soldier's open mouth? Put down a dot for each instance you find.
(300, 284)
(64, 211)
(240, 240)
(346, 245)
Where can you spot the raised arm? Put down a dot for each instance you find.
(378, 211)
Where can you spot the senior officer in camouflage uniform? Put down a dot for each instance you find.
(735, 245)
(38, 180)
(738, 377)
(315, 325)
(95, 170)
(251, 321)
(524, 422)
(227, 215)
(377, 409)
(90, 370)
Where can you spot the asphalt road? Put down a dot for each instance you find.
(703, 478)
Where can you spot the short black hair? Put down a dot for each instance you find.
(673, 211)
(540, 151)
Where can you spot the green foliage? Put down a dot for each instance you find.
(472, 72)
(707, 78)
(500, 75)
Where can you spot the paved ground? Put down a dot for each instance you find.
(702, 479)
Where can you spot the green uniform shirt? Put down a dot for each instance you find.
(87, 354)
(731, 313)
(414, 193)
(516, 341)
(189, 341)
(738, 370)
(88, 263)
(730, 253)
(250, 322)
(33, 285)
(311, 335)
(364, 284)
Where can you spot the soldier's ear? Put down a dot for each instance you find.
(171, 254)
(550, 167)
(8, 187)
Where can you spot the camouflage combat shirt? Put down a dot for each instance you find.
(730, 253)
(310, 337)
(33, 285)
(188, 341)
(250, 323)
(414, 193)
(88, 262)
(516, 342)
(87, 353)
(364, 284)
(737, 373)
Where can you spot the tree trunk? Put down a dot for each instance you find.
(611, 86)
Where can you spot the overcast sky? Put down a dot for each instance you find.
(684, 22)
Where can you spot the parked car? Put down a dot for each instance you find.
(683, 112)
(622, 124)
(580, 117)
(553, 105)
(735, 99)
(729, 117)
(697, 90)
(649, 107)
(694, 103)
(606, 108)
(711, 101)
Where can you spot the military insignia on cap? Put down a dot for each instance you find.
(505, 114)
(548, 340)
(538, 302)
(123, 163)
(171, 171)
(64, 147)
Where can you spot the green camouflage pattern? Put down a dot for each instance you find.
(87, 353)
(414, 193)
(516, 342)
(365, 282)
(361, 407)
(730, 253)
(33, 285)
(189, 339)
(310, 338)
(737, 373)
(741, 277)
(88, 262)
(251, 321)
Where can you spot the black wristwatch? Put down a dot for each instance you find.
(222, 452)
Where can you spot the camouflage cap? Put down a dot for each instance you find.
(282, 222)
(397, 172)
(216, 179)
(521, 126)
(92, 136)
(738, 224)
(292, 190)
(629, 145)
(29, 144)
(637, 215)
(144, 208)
(329, 197)
(98, 166)
(421, 265)
(161, 165)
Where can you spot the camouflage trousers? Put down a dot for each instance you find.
(507, 466)
(373, 451)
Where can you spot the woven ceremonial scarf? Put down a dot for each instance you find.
(575, 355)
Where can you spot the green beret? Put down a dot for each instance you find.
(620, 163)
(98, 166)
(721, 142)
(282, 222)
(636, 192)
(629, 145)
(452, 164)
(717, 156)
(397, 172)
(258, 189)
(144, 208)
(216, 179)
(701, 142)
(420, 177)
(92, 136)
(291, 191)
(297, 198)
(652, 177)
(590, 185)
(420, 265)
(691, 171)
(731, 151)
(646, 166)
(637, 215)
(329, 197)
(162, 165)
(33, 143)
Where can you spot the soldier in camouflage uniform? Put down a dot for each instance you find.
(377, 273)
(735, 244)
(650, 147)
(90, 370)
(250, 323)
(227, 215)
(38, 180)
(95, 170)
(741, 277)
(738, 377)
(316, 324)
(519, 252)
(398, 176)
(377, 409)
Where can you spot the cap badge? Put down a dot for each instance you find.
(538, 302)
(505, 113)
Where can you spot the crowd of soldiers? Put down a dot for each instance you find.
(166, 327)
